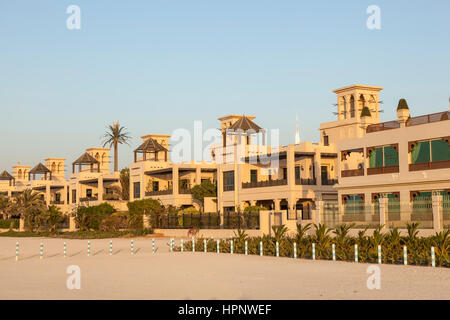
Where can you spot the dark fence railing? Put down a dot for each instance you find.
(262, 184)
(302, 181)
(207, 221)
(158, 193)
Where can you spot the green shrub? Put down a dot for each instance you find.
(9, 223)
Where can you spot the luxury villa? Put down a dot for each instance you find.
(361, 170)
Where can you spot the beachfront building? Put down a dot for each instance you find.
(252, 173)
(153, 175)
(46, 180)
(91, 181)
(396, 172)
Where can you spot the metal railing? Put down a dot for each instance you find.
(302, 181)
(352, 173)
(383, 126)
(246, 220)
(429, 165)
(381, 170)
(158, 193)
(428, 118)
(262, 184)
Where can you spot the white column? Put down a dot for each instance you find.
(100, 188)
(198, 175)
(383, 211)
(437, 211)
(47, 194)
(175, 179)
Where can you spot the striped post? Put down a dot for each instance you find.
(356, 253)
(181, 245)
(333, 251)
(89, 249)
(17, 251)
(231, 247)
(218, 246)
(110, 248)
(379, 254)
(171, 245)
(246, 247)
(65, 251)
(433, 260)
(314, 251)
(405, 255)
(153, 245)
(132, 247)
(193, 244)
(295, 250)
(261, 251)
(204, 246)
(277, 248)
(41, 251)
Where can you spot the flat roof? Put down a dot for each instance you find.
(358, 86)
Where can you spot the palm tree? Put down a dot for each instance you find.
(30, 207)
(113, 136)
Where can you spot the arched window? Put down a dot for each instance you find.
(352, 107)
(53, 167)
(362, 102)
(60, 167)
(19, 174)
(344, 107)
(97, 156)
(103, 159)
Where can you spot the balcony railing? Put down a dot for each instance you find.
(262, 184)
(185, 191)
(428, 118)
(158, 193)
(381, 170)
(383, 126)
(302, 181)
(85, 199)
(429, 165)
(352, 173)
(329, 182)
(56, 202)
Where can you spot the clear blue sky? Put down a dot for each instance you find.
(160, 65)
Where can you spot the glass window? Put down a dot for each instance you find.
(136, 190)
(253, 176)
(376, 158)
(440, 150)
(155, 185)
(390, 156)
(297, 172)
(89, 193)
(228, 181)
(421, 152)
(284, 173)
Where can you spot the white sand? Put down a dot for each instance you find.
(188, 275)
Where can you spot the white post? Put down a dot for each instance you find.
(314, 251)
(65, 246)
(405, 256)
(379, 254)
(193, 244)
(181, 245)
(333, 251)
(356, 253)
(261, 251)
(41, 251)
(218, 246)
(295, 250)
(231, 247)
(17, 251)
(246, 247)
(433, 260)
(89, 249)
(153, 245)
(204, 246)
(277, 248)
(132, 247)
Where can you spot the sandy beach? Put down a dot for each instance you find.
(187, 275)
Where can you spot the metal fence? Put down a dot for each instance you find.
(246, 220)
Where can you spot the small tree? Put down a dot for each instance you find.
(53, 218)
(205, 189)
(125, 183)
